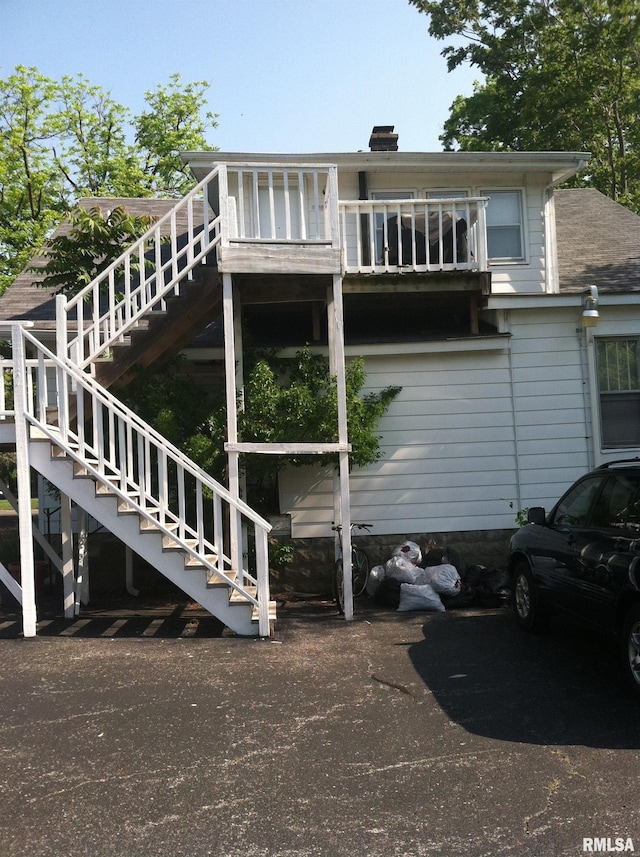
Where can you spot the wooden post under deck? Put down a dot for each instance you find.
(232, 414)
(25, 522)
(341, 501)
(66, 529)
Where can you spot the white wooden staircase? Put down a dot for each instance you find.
(100, 454)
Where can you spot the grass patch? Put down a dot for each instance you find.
(5, 505)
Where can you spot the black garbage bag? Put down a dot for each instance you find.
(388, 593)
(489, 585)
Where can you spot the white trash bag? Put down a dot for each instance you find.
(410, 551)
(415, 596)
(403, 565)
(443, 578)
(402, 569)
(376, 576)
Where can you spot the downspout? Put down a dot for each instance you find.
(552, 284)
(587, 369)
(506, 325)
(363, 194)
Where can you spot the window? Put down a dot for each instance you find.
(504, 224)
(617, 505)
(573, 509)
(619, 389)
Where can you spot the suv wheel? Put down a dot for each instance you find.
(631, 649)
(524, 598)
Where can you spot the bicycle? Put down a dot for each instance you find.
(360, 567)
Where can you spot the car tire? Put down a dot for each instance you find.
(524, 598)
(630, 650)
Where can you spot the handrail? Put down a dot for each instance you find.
(119, 297)
(139, 466)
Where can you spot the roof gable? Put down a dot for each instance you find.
(598, 242)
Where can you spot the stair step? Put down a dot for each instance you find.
(80, 471)
(169, 544)
(236, 597)
(114, 482)
(197, 562)
(273, 615)
(150, 526)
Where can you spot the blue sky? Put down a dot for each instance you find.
(286, 75)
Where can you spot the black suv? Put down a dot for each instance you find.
(583, 558)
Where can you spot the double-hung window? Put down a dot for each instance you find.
(505, 232)
(619, 390)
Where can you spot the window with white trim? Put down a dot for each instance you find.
(505, 239)
(618, 362)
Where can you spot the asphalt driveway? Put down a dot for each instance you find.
(396, 734)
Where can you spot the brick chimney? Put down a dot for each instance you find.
(383, 139)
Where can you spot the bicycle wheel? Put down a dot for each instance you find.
(359, 571)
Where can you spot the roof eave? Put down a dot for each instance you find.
(560, 165)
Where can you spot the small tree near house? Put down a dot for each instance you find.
(95, 240)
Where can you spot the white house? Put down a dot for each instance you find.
(461, 277)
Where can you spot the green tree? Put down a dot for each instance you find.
(63, 140)
(558, 75)
(285, 400)
(295, 400)
(94, 241)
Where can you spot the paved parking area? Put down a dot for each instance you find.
(396, 734)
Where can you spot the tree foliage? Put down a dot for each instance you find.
(95, 240)
(67, 139)
(285, 400)
(296, 400)
(559, 75)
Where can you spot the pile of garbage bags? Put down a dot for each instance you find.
(406, 582)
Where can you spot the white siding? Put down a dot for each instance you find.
(472, 437)
(549, 383)
(448, 444)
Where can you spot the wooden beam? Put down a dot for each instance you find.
(394, 283)
(279, 259)
(288, 448)
(269, 289)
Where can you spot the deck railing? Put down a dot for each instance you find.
(418, 234)
(275, 204)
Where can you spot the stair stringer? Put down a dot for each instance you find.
(213, 594)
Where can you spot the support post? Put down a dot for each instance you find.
(25, 521)
(66, 529)
(82, 581)
(233, 457)
(342, 504)
(128, 572)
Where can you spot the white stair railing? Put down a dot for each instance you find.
(148, 475)
(141, 279)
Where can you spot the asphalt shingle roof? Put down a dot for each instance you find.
(598, 242)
